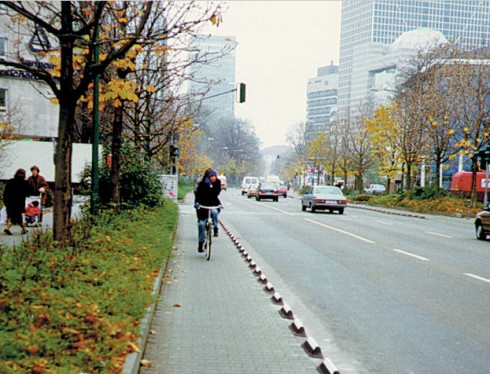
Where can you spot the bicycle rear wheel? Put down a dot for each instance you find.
(209, 241)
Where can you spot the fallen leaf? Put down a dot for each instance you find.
(177, 305)
(146, 363)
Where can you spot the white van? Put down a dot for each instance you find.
(224, 183)
(246, 182)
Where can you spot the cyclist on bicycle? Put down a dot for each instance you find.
(206, 194)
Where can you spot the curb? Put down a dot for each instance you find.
(380, 210)
(309, 345)
(132, 363)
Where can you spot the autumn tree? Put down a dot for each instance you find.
(470, 88)
(384, 135)
(358, 143)
(192, 160)
(317, 152)
(71, 27)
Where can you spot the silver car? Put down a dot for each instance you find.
(324, 198)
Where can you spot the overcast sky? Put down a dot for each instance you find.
(280, 46)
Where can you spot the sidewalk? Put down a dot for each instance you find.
(214, 317)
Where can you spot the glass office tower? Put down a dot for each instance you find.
(466, 22)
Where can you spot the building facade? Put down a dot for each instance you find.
(322, 98)
(465, 22)
(24, 100)
(214, 76)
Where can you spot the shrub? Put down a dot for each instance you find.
(362, 197)
(186, 185)
(139, 181)
(303, 190)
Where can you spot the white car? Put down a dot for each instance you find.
(324, 198)
(375, 189)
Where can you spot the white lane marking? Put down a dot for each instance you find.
(411, 255)
(339, 230)
(384, 223)
(438, 234)
(477, 277)
(276, 209)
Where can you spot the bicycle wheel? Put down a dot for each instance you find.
(209, 241)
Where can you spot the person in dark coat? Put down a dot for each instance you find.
(206, 194)
(14, 198)
(38, 186)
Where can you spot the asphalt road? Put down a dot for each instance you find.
(380, 293)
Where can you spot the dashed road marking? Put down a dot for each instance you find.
(384, 223)
(276, 209)
(341, 231)
(477, 277)
(411, 255)
(439, 234)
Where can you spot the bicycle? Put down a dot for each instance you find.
(208, 241)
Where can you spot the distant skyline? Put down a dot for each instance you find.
(280, 45)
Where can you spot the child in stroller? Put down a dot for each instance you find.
(33, 211)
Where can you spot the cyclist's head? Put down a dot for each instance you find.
(211, 174)
(206, 173)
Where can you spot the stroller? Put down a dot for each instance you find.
(33, 211)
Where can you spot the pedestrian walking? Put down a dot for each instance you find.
(38, 187)
(14, 198)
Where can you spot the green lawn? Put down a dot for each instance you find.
(77, 309)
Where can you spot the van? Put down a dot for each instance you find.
(224, 183)
(246, 182)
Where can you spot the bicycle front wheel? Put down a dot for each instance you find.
(209, 240)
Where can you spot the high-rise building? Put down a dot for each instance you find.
(466, 22)
(213, 76)
(322, 98)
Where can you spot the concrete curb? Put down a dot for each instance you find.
(132, 363)
(381, 210)
(309, 345)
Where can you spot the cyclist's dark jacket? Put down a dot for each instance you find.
(207, 194)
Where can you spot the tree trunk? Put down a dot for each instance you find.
(117, 127)
(388, 186)
(438, 175)
(62, 188)
(409, 176)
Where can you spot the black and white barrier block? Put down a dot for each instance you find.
(257, 271)
(269, 288)
(277, 299)
(286, 312)
(262, 279)
(297, 328)
(312, 348)
(327, 367)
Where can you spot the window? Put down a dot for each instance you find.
(3, 44)
(3, 99)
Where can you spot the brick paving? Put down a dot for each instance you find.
(214, 317)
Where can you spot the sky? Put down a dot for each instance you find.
(280, 46)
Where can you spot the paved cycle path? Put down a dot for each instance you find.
(214, 317)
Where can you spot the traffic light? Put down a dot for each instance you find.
(242, 88)
(174, 151)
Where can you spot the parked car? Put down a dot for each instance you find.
(375, 189)
(252, 190)
(482, 225)
(324, 198)
(283, 190)
(246, 182)
(224, 183)
(267, 190)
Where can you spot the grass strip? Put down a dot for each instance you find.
(78, 309)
